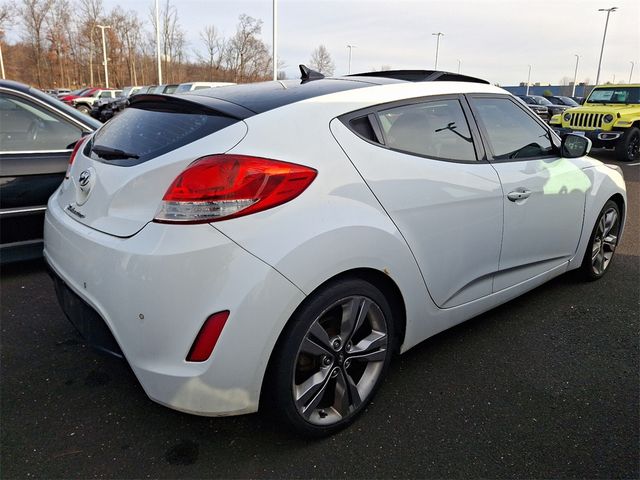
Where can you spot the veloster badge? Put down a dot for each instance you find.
(71, 209)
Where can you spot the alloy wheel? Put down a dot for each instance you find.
(605, 241)
(340, 360)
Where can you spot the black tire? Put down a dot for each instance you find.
(317, 356)
(84, 109)
(628, 147)
(599, 253)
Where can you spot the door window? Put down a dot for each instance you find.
(436, 129)
(512, 133)
(28, 127)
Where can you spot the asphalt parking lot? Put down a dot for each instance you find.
(546, 386)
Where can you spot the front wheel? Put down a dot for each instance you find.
(603, 242)
(628, 147)
(84, 109)
(332, 357)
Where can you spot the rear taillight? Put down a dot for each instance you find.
(219, 187)
(75, 151)
(207, 337)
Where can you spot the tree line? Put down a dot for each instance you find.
(60, 45)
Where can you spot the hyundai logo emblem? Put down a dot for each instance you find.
(84, 178)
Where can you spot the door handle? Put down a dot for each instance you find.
(518, 194)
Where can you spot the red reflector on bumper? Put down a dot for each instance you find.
(207, 337)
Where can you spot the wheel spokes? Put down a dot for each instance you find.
(347, 396)
(372, 348)
(609, 220)
(353, 315)
(610, 241)
(310, 392)
(320, 338)
(334, 375)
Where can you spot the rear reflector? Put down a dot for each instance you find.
(207, 337)
(218, 187)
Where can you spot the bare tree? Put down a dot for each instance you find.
(91, 11)
(321, 61)
(33, 14)
(216, 47)
(7, 16)
(57, 24)
(247, 57)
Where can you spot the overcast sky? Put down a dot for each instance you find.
(493, 39)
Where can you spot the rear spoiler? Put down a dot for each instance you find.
(186, 103)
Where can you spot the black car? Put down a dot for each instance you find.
(562, 100)
(106, 108)
(37, 135)
(540, 100)
(541, 110)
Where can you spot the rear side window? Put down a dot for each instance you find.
(137, 135)
(436, 129)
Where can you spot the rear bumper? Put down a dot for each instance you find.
(153, 291)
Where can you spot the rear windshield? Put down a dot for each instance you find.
(137, 135)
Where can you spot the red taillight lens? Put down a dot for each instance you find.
(207, 337)
(76, 148)
(218, 187)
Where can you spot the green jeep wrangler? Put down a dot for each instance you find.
(610, 118)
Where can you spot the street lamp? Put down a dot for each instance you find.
(439, 34)
(459, 62)
(275, 33)
(104, 54)
(350, 47)
(158, 59)
(608, 10)
(528, 80)
(575, 75)
(630, 73)
(2, 63)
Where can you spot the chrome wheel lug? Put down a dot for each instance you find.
(336, 343)
(326, 360)
(334, 374)
(347, 363)
(348, 347)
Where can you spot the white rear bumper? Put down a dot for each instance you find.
(154, 291)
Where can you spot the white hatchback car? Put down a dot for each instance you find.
(281, 241)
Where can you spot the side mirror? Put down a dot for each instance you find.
(574, 146)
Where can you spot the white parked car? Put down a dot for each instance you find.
(191, 86)
(276, 243)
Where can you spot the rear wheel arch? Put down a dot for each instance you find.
(617, 198)
(378, 279)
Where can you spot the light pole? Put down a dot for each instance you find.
(275, 32)
(158, 44)
(439, 34)
(575, 75)
(606, 24)
(350, 47)
(528, 80)
(2, 63)
(104, 54)
(630, 73)
(459, 62)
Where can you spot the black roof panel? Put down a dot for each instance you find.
(420, 76)
(263, 96)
